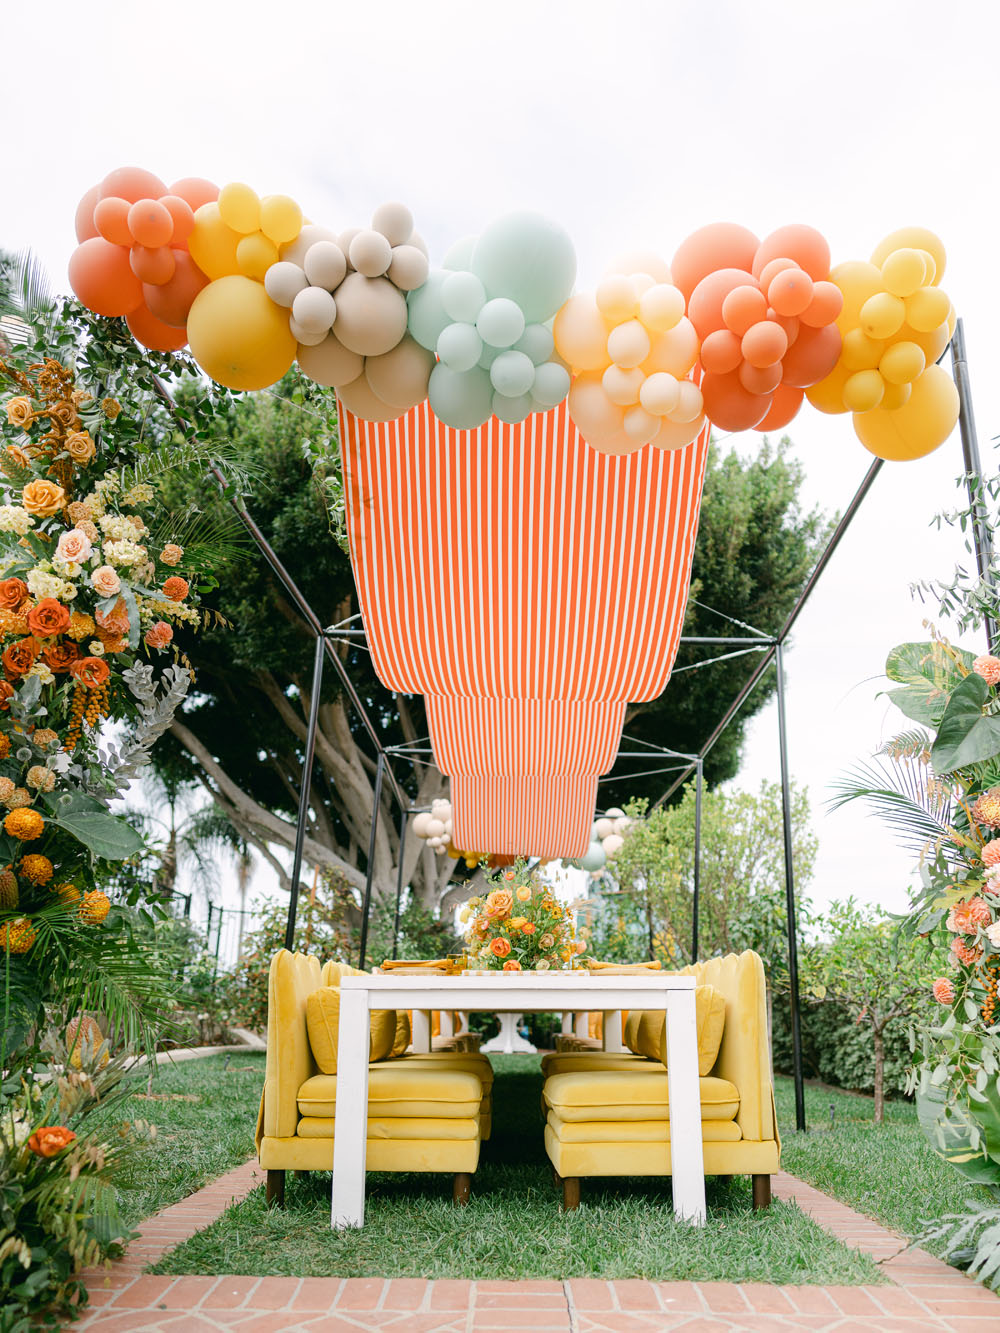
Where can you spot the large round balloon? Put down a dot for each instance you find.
(529, 259)
(212, 244)
(329, 362)
(102, 278)
(923, 422)
(171, 301)
(462, 399)
(238, 335)
(154, 333)
(719, 245)
(359, 398)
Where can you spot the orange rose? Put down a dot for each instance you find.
(12, 593)
(176, 588)
(512, 965)
(91, 672)
(19, 411)
(20, 657)
(50, 1140)
(59, 657)
(48, 618)
(171, 553)
(500, 947)
(43, 498)
(6, 694)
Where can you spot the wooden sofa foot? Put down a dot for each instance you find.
(302, 1175)
(761, 1192)
(461, 1189)
(571, 1193)
(556, 1179)
(274, 1190)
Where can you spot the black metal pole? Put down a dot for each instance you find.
(366, 905)
(305, 788)
(793, 947)
(973, 468)
(403, 821)
(699, 780)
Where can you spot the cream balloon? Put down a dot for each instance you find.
(660, 393)
(629, 344)
(602, 828)
(420, 822)
(370, 253)
(623, 387)
(297, 250)
(325, 265)
(642, 261)
(283, 282)
(690, 403)
(314, 310)
(675, 351)
(408, 268)
(581, 334)
(394, 221)
(677, 434)
(306, 337)
(661, 308)
(613, 844)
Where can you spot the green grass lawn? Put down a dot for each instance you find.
(888, 1171)
(512, 1229)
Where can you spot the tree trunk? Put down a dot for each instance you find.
(879, 1070)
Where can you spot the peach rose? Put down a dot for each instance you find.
(60, 657)
(65, 414)
(50, 1139)
(499, 947)
(105, 581)
(512, 965)
(43, 497)
(943, 991)
(12, 593)
(91, 672)
(18, 411)
(159, 635)
(20, 657)
(500, 902)
(80, 446)
(523, 894)
(176, 588)
(48, 618)
(74, 547)
(171, 554)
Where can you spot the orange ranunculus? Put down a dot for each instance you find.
(508, 874)
(499, 947)
(176, 588)
(48, 618)
(528, 928)
(43, 497)
(6, 694)
(60, 657)
(523, 894)
(19, 657)
(512, 965)
(50, 1139)
(115, 620)
(90, 672)
(12, 593)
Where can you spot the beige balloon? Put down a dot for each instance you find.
(344, 241)
(394, 221)
(371, 314)
(295, 251)
(305, 337)
(358, 398)
(400, 377)
(409, 268)
(420, 244)
(325, 265)
(370, 253)
(314, 310)
(329, 362)
(283, 282)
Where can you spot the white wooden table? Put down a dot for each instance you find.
(514, 992)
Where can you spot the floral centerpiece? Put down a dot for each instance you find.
(519, 924)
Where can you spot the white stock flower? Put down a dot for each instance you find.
(15, 519)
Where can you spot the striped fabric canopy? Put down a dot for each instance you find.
(530, 588)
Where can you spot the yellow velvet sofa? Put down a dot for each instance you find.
(426, 1112)
(609, 1114)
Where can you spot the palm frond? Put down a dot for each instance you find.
(210, 540)
(27, 293)
(915, 804)
(192, 459)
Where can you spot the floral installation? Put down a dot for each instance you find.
(519, 924)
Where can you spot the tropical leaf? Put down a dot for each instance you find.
(966, 734)
(193, 459)
(102, 834)
(916, 806)
(967, 1136)
(27, 293)
(927, 672)
(210, 540)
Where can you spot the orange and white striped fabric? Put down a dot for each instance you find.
(530, 588)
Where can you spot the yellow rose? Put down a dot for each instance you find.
(516, 922)
(18, 411)
(43, 498)
(80, 446)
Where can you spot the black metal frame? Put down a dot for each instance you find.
(772, 648)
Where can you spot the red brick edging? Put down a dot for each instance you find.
(925, 1294)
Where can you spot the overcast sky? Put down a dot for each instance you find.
(631, 123)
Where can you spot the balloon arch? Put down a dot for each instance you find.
(523, 462)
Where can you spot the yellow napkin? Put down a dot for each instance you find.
(623, 969)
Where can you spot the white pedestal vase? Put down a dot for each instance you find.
(508, 1040)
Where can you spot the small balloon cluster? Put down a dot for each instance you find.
(486, 316)
(133, 255)
(607, 837)
(631, 348)
(765, 314)
(895, 322)
(434, 825)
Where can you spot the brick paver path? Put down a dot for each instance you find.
(924, 1293)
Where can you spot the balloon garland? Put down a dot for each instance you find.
(735, 330)
(607, 837)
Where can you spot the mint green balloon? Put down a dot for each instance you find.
(461, 399)
(500, 322)
(528, 258)
(551, 384)
(536, 341)
(459, 255)
(512, 410)
(426, 317)
(512, 374)
(459, 346)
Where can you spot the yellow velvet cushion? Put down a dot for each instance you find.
(323, 1025)
(631, 1131)
(617, 1095)
(394, 1089)
(403, 1035)
(631, 1030)
(396, 1127)
(710, 1017)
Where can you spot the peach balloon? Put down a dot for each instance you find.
(111, 220)
(195, 191)
(784, 405)
(705, 302)
(721, 352)
(183, 218)
(172, 301)
(629, 344)
(153, 333)
(826, 304)
(772, 269)
(803, 244)
(729, 406)
(743, 307)
(764, 344)
(675, 351)
(155, 266)
(598, 420)
(642, 261)
(677, 434)
(102, 278)
(238, 335)
(790, 323)
(150, 223)
(84, 220)
(131, 184)
(720, 245)
(812, 356)
(791, 292)
(581, 334)
(623, 385)
(690, 403)
(760, 379)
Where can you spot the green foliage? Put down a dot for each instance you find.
(970, 1240)
(838, 1050)
(927, 673)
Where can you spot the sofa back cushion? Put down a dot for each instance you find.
(403, 1036)
(323, 1025)
(289, 1060)
(710, 1017)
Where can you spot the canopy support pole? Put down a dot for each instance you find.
(403, 821)
(305, 789)
(699, 782)
(366, 904)
(973, 469)
(793, 945)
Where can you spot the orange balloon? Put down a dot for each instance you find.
(803, 244)
(791, 291)
(784, 405)
(717, 246)
(826, 304)
(812, 357)
(721, 352)
(111, 220)
(84, 221)
(705, 302)
(171, 302)
(102, 278)
(760, 379)
(772, 269)
(154, 266)
(743, 307)
(789, 323)
(729, 406)
(183, 216)
(150, 223)
(153, 333)
(132, 184)
(764, 344)
(195, 191)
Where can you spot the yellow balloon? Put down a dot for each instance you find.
(239, 208)
(255, 254)
(932, 344)
(902, 363)
(828, 394)
(882, 315)
(860, 352)
(212, 244)
(904, 271)
(895, 396)
(923, 422)
(863, 391)
(927, 308)
(857, 282)
(916, 238)
(238, 335)
(280, 218)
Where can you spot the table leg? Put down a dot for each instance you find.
(582, 1026)
(447, 1023)
(351, 1136)
(612, 1028)
(686, 1152)
(567, 1023)
(420, 1037)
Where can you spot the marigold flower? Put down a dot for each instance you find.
(159, 635)
(17, 936)
(43, 497)
(512, 965)
(81, 626)
(48, 618)
(95, 907)
(176, 588)
(25, 825)
(499, 947)
(50, 1140)
(80, 447)
(986, 808)
(18, 798)
(18, 411)
(171, 554)
(19, 657)
(988, 667)
(12, 593)
(943, 991)
(67, 893)
(91, 672)
(4, 742)
(41, 778)
(36, 868)
(965, 953)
